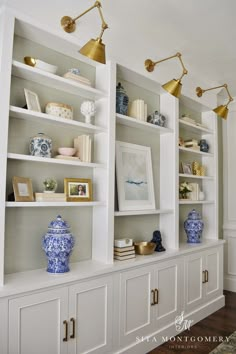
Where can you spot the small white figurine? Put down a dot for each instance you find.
(88, 110)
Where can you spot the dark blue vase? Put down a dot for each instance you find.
(193, 227)
(122, 100)
(204, 147)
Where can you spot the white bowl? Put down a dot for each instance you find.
(45, 66)
(66, 151)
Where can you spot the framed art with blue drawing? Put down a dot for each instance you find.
(134, 177)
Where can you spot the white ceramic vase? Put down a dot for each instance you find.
(88, 110)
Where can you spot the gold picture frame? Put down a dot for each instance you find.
(78, 189)
(23, 190)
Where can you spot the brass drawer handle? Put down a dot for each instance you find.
(73, 327)
(207, 276)
(65, 339)
(204, 277)
(156, 296)
(153, 297)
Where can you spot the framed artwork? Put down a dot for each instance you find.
(78, 189)
(32, 101)
(187, 168)
(134, 177)
(23, 191)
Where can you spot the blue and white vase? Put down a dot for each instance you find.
(40, 145)
(122, 100)
(157, 119)
(204, 147)
(58, 244)
(193, 227)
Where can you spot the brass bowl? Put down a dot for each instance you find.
(144, 248)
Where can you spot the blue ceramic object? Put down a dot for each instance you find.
(204, 147)
(193, 227)
(122, 100)
(58, 244)
(157, 119)
(156, 238)
(75, 71)
(41, 145)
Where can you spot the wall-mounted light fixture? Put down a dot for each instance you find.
(94, 49)
(222, 110)
(174, 86)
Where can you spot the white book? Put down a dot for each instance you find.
(145, 112)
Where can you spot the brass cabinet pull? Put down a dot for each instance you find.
(65, 339)
(153, 297)
(156, 296)
(204, 277)
(73, 327)
(207, 276)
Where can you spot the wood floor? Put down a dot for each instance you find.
(220, 323)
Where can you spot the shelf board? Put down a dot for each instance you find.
(183, 202)
(54, 81)
(194, 128)
(21, 113)
(52, 204)
(185, 175)
(184, 149)
(30, 158)
(134, 123)
(143, 212)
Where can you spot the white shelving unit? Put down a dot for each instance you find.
(205, 128)
(93, 238)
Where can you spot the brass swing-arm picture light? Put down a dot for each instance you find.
(222, 110)
(174, 86)
(94, 49)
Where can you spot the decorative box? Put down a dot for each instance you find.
(59, 110)
(123, 242)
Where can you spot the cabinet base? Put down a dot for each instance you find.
(148, 343)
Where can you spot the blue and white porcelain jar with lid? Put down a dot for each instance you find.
(193, 227)
(122, 100)
(41, 145)
(58, 244)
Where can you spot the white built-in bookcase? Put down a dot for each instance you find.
(94, 224)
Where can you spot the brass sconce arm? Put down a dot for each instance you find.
(69, 25)
(222, 110)
(150, 65)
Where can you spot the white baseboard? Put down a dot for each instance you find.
(155, 339)
(230, 283)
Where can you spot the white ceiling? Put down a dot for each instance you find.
(204, 31)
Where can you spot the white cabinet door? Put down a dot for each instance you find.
(213, 265)
(135, 304)
(170, 291)
(90, 305)
(194, 277)
(36, 323)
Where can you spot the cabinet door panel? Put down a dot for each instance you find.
(135, 304)
(36, 323)
(168, 283)
(91, 306)
(194, 277)
(213, 266)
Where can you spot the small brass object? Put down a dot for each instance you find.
(156, 296)
(153, 297)
(30, 61)
(65, 339)
(144, 248)
(73, 327)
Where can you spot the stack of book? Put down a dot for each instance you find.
(81, 79)
(123, 253)
(191, 143)
(50, 197)
(138, 110)
(83, 144)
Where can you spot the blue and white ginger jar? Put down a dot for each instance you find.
(41, 145)
(122, 100)
(58, 244)
(193, 227)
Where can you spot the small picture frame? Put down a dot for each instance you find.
(187, 168)
(32, 101)
(23, 191)
(78, 189)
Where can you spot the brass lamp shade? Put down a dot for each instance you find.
(173, 87)
(95, 50)
(221, 111)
